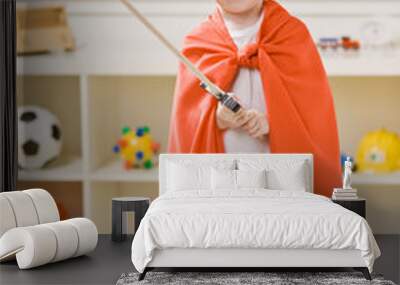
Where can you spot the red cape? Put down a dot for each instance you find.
(300, 106)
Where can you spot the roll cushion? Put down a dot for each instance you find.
(7, 218)
(38, 245)
(26, 208)
(23, 208)
(46, 207)
(66, 239)
(87, 235)
(51, 242)
(31, 232)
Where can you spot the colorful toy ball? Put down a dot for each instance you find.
(137, 148)
(378, 152)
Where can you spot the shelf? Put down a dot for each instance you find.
(376, 179)
(64, 169)
(87, 61)
(109, 41)
(114, 172)
(83, 61)
(362, 65)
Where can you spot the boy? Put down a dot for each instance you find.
(267, 58)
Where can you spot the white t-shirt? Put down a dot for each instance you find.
(249, 89)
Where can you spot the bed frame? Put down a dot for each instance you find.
(250, 259)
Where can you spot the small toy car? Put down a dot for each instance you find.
(333, 43)
(348, 43)
(326, 43)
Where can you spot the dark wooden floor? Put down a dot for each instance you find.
(389, 262)
(103, 266)
(110, 260)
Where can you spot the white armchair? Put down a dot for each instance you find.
(31, 230)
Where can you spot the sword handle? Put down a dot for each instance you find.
(225, 98)
(228, 101)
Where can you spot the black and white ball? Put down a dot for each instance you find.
(39, 137)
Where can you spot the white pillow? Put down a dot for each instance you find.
(281, 174)
(227, 179)
(251, 178)
(223, 179)
(292, 179)
(182, 177)
(193, 174)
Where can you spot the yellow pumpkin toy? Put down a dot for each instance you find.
(378, 152)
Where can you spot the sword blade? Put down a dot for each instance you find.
(212, 88)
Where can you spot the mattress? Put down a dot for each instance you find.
(250, 219)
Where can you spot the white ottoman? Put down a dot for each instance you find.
(31, 232)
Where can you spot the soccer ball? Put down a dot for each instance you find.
(39, 137)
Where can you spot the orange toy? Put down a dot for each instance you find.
(299, 100)
(348, 43)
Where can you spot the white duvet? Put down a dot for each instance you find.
(250, 219)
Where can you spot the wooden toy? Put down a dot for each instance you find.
(42, 30)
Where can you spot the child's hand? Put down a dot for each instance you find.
(257, 124)
(227, 119)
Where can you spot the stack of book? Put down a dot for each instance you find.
(344, 194)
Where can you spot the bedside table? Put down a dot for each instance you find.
(358, 206)
(139, 205)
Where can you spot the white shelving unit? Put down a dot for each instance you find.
(376, 179)
(147, 57)
(113, 172)
(65, 170)
(116, 57)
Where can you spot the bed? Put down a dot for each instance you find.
(246, 211)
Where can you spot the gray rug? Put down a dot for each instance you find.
(269, 278)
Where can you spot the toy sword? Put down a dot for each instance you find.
(225, 98)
